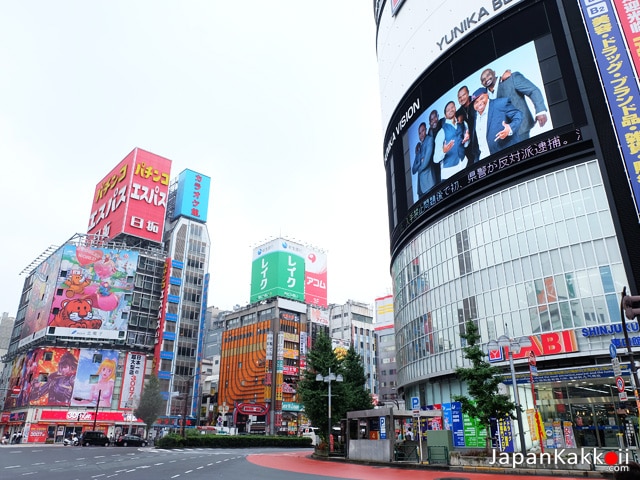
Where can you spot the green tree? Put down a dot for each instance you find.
(151, 402)
(350, 394)
(357, 397)
(313, 394)
(482, 381)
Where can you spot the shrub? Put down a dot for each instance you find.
(231, 441)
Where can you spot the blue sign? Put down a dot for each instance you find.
(415, 403)
(383, 428)
(613, 351)
(618, 80)
(457, 425)
(192, 197)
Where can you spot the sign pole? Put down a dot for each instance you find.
(533, 371)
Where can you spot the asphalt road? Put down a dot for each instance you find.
(55, 462)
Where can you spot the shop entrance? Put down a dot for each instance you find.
(591, 410)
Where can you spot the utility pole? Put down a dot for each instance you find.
(95, 415)
(627, 310)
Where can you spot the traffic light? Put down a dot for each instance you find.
(631, 305)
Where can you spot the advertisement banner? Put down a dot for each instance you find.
(94, 294)
(95, 378)
(619, 83)
(132, 198)
(45, 376)
(192, 197)
(315, 281)
(290, 270)
(132, 380)
(457, 424)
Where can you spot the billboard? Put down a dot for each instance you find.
(192, 197)
(447, 136)
(277, 270)
(132, 198)
(92, 297)
(315, 277)
(45, 376)
(618, 73)
(132, 380)
(290, 270)
(41, 295)
(95, 378)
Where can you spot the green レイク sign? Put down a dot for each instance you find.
(277, 274)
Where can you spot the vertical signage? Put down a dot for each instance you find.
(619, 83)
(132, 380)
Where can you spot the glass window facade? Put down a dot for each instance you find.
(539, 256)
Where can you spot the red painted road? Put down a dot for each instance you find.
(301, 462)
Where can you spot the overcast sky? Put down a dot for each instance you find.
(278, 102)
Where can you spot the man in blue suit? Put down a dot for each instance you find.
(517, 88)
(497, 123)
(423, 162)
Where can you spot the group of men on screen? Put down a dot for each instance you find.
(494, 117)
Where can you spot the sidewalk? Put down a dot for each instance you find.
(539, 472)
(307, 463)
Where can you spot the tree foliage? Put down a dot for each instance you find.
(151, 402)
(350, 394)
(482, 381)
(356, 396)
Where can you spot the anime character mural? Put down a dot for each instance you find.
(15, 380)
(41, 295)
(50, 376)
(92, 288)
(96, 378)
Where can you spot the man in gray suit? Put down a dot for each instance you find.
(516, 87)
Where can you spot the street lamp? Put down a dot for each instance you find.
(328, 379)
(514, 345)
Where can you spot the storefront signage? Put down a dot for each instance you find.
(252, 408)
(567, 375)
(292, 407)
(609, 329)
(552, 343)
(86, 415)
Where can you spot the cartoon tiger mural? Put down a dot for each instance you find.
(76, 313)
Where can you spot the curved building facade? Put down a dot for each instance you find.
(513, 196)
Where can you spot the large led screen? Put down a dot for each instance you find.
(491, 111)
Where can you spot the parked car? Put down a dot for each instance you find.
(94, 438)
(312, 433)
(131, 441)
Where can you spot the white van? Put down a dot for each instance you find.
(312, 433)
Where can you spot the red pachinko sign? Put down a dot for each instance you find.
(132, 198)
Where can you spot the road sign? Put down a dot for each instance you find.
(416, 414)
(383, 428)
(613, 351)
(415, 403)
(623, 396)
(620, 383)
(617, 369)
(15, 391)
